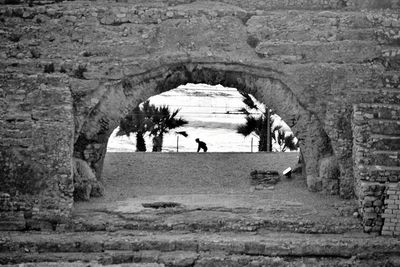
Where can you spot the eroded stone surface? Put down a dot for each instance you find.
(206, 249)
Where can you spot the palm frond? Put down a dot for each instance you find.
(184, 133)
(290, 142)
(276, 128)
(250, 126)
(248, 101)
(175, 123)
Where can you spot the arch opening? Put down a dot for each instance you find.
(267, 86)
(225, 167)
(228, 120)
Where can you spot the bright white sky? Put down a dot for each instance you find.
(205, 107)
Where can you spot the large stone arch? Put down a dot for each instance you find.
(266, 84)
(70, 70)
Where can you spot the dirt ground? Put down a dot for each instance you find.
(205, 183)
(142, 174)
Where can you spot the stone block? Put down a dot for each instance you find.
(387, 233)
(82, 191)
(39, 225)
(329, 173)
(186, 245)
(97, 190)
(178, 258)
(390, 225)
(13, 225)
(314, 183)
(389, 201)
(254, 248)
(370, 215)
(376, 228)
(4, 199)
(369, 198)
(118, 245)
(146, 256)
(367, 229)
(393, 188)
(369, 210)
(367, 204)
(388, 215)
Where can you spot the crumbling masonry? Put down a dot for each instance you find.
(70, 70)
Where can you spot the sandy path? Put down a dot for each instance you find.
(141, 174)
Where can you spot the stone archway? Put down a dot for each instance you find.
(265, 84)
(70, 71)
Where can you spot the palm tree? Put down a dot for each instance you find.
(259, 127)
(278, 134)
(135, 122)
(290, 143)
(163, 120)
(284, 138)
(149, 118)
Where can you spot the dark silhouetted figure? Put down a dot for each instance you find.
(202, 145)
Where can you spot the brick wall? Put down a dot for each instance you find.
(391, 214)
(377, 172)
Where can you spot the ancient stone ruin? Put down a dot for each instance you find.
(70, 71)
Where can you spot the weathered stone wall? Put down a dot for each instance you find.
(315, 62)
(36, 132)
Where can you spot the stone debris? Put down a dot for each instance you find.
(161, 205)
(85, 182)
(261, 179)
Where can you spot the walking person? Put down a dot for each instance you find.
(202, 145)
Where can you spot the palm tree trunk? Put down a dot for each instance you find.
(263, 143)
(158, 142)
(140, 143)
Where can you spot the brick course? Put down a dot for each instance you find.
(391, 213)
